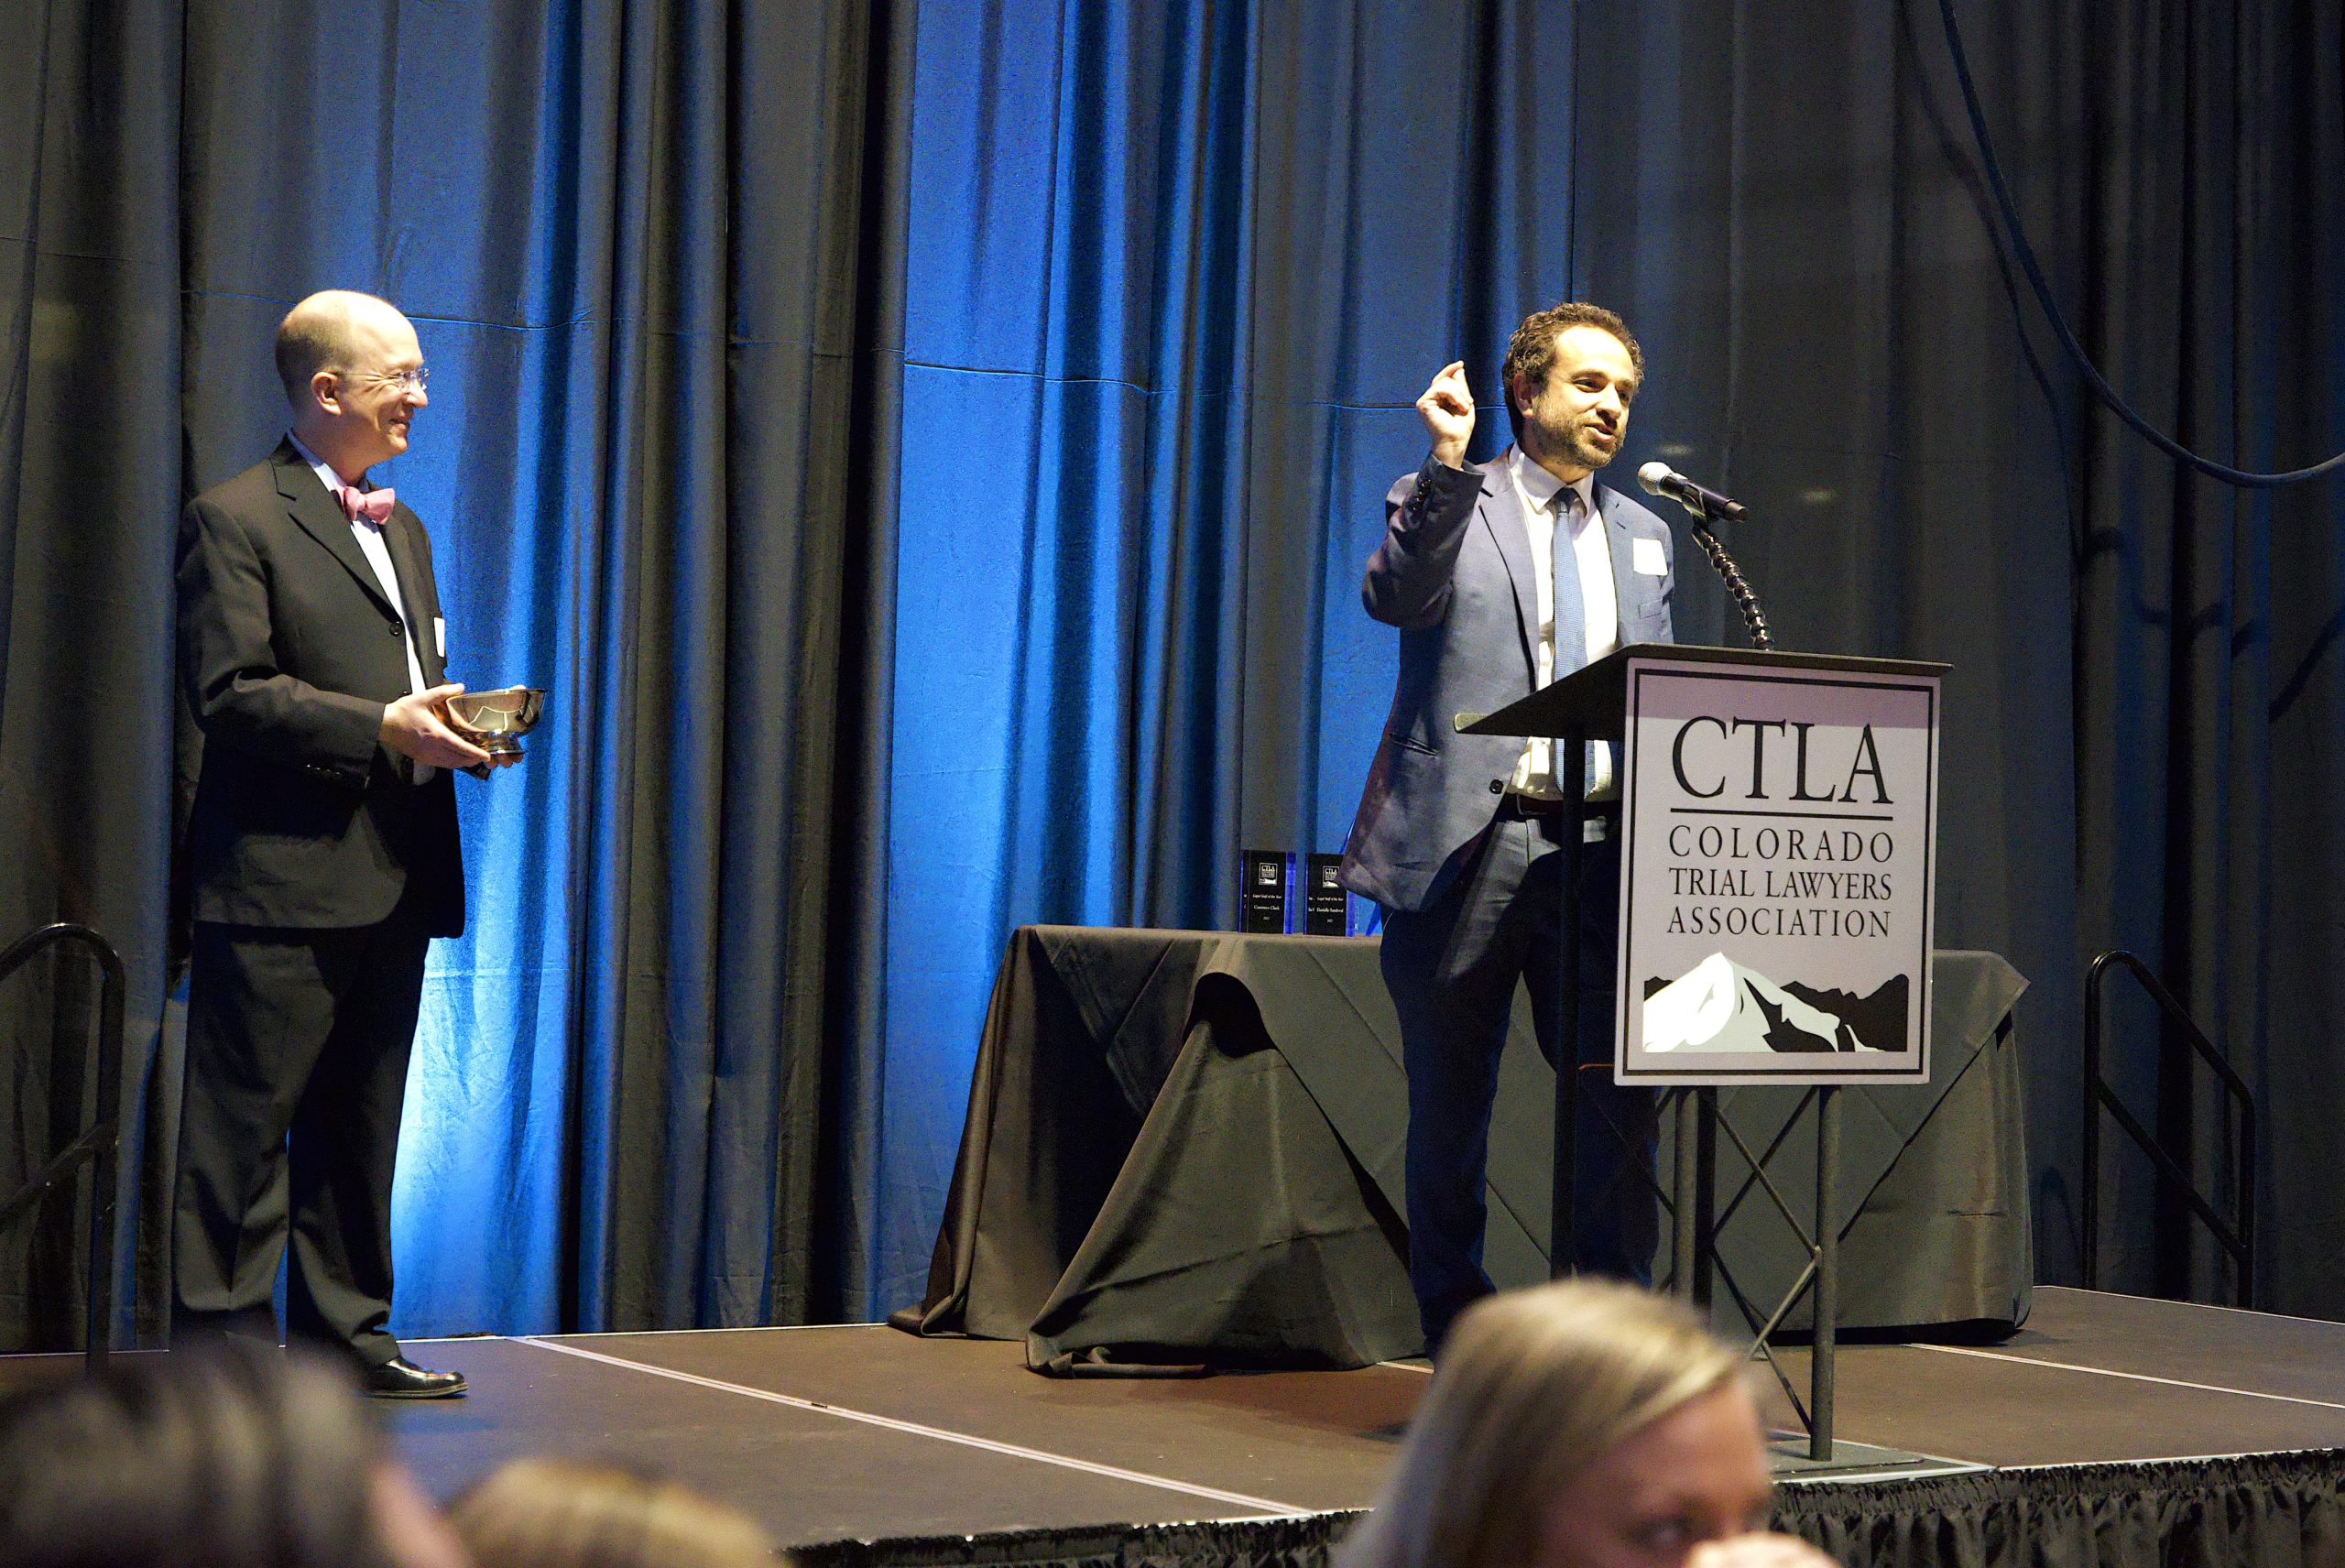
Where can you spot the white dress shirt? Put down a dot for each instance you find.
(1540, 493)
(369, 534)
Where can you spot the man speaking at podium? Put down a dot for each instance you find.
(1503, 577)
(321, 847)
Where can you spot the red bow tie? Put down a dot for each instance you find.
(373, 505)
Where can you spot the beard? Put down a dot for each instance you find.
(1579, 445)
(1573, 443)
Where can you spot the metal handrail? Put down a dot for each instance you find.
(98, 1144)
(2237, 1237)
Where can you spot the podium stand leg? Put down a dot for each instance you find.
(1684, 1238)
(1705, 1193)
(1563, 1228)
(1563, 1238)
(1827, 1271)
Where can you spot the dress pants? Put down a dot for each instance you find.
(1452, 969)
(297, 1055)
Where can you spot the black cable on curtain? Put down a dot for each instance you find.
(2101, 390)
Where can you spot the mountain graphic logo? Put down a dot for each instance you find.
(1719, 1006)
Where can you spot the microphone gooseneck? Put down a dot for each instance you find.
(1754, 620)
(1660, 479)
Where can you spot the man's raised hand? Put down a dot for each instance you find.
(415, 726)
(1448, 410)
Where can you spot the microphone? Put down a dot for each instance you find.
(1660, 479)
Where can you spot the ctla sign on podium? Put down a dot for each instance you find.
(1779, 822)
(1779, 818)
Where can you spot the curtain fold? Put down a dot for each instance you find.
(90, 453)
(2208, 693)
(645, 248)
(929, 450)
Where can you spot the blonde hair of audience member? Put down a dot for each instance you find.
(1581, 1425)
(558, 1513)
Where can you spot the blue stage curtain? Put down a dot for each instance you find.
(930, 448)
(646, 247)
(1156, 379)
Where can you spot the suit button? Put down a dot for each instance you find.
(396, 627)
(1498, 786)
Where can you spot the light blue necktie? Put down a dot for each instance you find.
(1571, 610)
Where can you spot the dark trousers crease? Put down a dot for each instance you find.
(1452, 969)
(298, 1049)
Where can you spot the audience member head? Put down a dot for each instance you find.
(1576, 1425)
(353, 378)
(225, 1458)
(558, 1513)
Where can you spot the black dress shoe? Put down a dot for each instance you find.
(400, 1378)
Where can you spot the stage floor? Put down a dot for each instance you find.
(837, 1433)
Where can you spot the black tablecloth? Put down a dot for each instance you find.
(1185, 1147)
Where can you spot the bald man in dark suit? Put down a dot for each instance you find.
(322, 850)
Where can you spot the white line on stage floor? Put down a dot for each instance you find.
(2192, 1306)
(2129, 1377)
(1931, 1470)
(915, 1428)
(642, 1332)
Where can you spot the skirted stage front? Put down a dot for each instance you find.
(2111, 1433)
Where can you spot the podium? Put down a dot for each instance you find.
(1778, 819)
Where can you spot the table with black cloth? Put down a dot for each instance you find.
(1184, 1149)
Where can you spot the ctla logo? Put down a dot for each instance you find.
(1707, 755)
(1775, 845)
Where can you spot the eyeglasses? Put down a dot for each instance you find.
(409, 381)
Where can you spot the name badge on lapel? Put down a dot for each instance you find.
(1647, 556)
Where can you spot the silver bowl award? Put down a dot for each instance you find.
(495, 721)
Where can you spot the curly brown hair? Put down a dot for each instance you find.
(1531, 353)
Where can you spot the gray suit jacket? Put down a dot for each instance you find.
(1454, 575)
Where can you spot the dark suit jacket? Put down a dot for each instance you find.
(1454, 574)
(288, 652)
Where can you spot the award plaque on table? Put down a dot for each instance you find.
(1263, 876)
(1326, 903)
